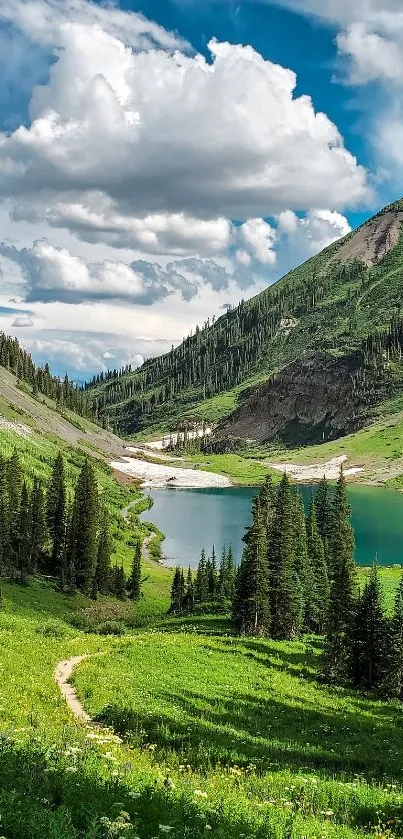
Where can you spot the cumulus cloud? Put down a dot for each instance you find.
(259, 237)
(136, 146)
(54, 274)
(315, 231)
(22, 321)
(42, 20)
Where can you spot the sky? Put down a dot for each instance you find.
(161, 161)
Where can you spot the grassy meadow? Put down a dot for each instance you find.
(205, 734)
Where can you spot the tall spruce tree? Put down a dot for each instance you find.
(344, 589)
(56, 512)
(178, 591)
(201, 582)
(38, 526)
(285, 588)
(302, 565)
(267, 498)
(134, 581)
(251, 610)
(23, 550)
(104, 552)
(392, 681)
(212, 576)
(4, 519)
(316, 615)
(85, 526)
(367, 638)
(14, 489)
(189, 600)
(324, 516)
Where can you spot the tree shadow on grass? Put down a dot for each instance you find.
(42, 800)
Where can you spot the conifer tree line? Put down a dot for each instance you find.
(298, 575)
(210, 589)
(14, 358)
(221, 353)
(46, 529)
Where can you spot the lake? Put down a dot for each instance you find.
(196, 519)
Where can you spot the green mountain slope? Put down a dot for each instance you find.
(329, 308)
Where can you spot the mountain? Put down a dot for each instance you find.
(307, 359)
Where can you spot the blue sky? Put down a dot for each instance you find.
(152, 171)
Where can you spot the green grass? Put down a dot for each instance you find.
(244, 727)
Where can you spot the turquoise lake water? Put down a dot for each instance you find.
(196, 519)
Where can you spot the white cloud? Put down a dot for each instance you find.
(259, 237)
(22, 321)
(372, 57)
(314, 232)
(53, 274)
(42, 20)
(120, 141)
(243, 257)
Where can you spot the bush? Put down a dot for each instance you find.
(51, 630)
(110, 628)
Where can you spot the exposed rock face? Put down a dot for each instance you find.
(371, 242)
(308, 401)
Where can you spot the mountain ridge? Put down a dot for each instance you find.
(330, 304)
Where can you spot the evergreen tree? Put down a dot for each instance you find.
(178, 591)
(318, 604)
(267, 498)
(212, 577)
(230, 575)
(56, 511)
(85, 525)
(367, 639)
(38, 526)
(4, 519)
(343, 591)
(14, 489)
(251, 611)
(201, 583)
(189, 600)
(23, 551)
(118, 582)
(104, 551)
(392, 682)
(302, 566)
(285, 591)
(323, 510)
(134, 581)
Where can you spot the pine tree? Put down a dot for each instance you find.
(23, 552)
(343, 591)
(118, 582)
(134, 581)
(318, 604)
(56, 511)
(178, 591)
(267, 498)
(302, 566)
(201, 583)
(285, 590)
(14, 489)
(367, 638)
(4, 519)
(189, 600)
(85, 523)
(38, 526)
(251, 610)
(392, 682)
(323, 510)
(212, 577)
(230, 575)
(104, 551)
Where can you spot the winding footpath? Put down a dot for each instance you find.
(63, 672)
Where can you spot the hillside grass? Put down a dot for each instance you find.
(222, 737)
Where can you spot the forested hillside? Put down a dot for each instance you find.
(344, 302)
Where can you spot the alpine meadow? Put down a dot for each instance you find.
(201, 537)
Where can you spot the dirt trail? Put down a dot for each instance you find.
(63, 672)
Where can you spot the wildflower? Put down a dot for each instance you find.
(165, 828)
(200, 793)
